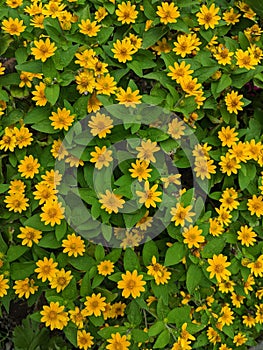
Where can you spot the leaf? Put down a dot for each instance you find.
(71, 334)
(4, 188)
(99, 252)
(61, 230)
(149, 250)
(180, 315)
(37, 114)
(193, 277)
(162, 340)
(108, 331)
(21, 270)
(214, 246)
(30, 66)
(131, 261)
(49, 241)
(52, 93)
(152, 36)
(44, 126)
(35, 222)
(14, 252)
(224, 82)
(156, 328)
(134, 314)
(175, 254)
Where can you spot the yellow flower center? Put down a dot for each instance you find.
(61, 281)
(52, 315)
(208, 17)
(219, 268)
(52, 212)
(130, 284)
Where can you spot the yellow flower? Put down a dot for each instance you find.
(224, 216)
(144, 222)
(8, 141)
(228, 199)
(74, 161)
(245, 59)
(39, 95)
(181, 214)
(215, 227)
(213, 336)
(254, 149)
(218, 267)
(259, 314)
(159, 272)
(149, 197)
(193, 236)
(52, 178)
(240, 151)
(105, 267)
(24, 288)
(146, 150)
(84, 340)
(58, 150)
(61, 119)
(52, 213)
(29, 235)
(135, 41)
(13, 26)
(132, 284)
(43, 49)
(118, 342)
(123, 50)
(226, 317)
(93, 103)
(255, 205)
(29, 167)
(190, 86)
(101, 157)
(73, 245)
(100, 14)
(118, 309)
(44, 193)
(126, 13)
(140, 170)
(14, 3)
(60, 280)
(168, 13)
(111, 202)
(106, 85)
(237, 300)
(46, 269)
(86, 58)
(2, 69)
(248, 284)
(204, 168)
(131, 239)
(3, 285)
(179, 71)
(228, 136)
(231, 17)
(54, 316)
(95, 305)
(171, 179)
(208, 17)
(249, 321)
(100, 125)
(176, 128)
(89, 28)
(256, 267)
(23, 137)
(229, 164)
(239, 339)
(85, 82)
(78, 316)
(128, 98)
(26, 79)
(34, 9)
(16, 202)
(226, 286)
(246, 235)
(53, 9)
(233, 102)
(162, 46)
(16, 186)
(223, 55)
(185, 44)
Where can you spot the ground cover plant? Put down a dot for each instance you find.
(149, 114)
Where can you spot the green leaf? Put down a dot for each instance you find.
(61, 230)
(21, 270)
(156, 328)
(35, 222)
(37, 114)
(131, 261)
(149, 250)
(4, 188)
(162, 340)
(214, 246)
(70, 292)
(30, 66)
(99, 252)
(49, 241)
(152, 36)
(180, 315)
(175, 254)
(52, 93)
(14, 252)
(106, 332)
(49, 69)
(224, 82)
(139, 336)
(71, 334)
(193, 277)
(134, 313)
